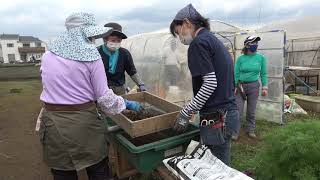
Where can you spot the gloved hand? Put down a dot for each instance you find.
(181, 123)
(142, 88)
(133, 105)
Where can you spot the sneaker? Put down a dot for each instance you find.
(252, 135)
(234, 137)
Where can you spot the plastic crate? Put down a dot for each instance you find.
(148, 156)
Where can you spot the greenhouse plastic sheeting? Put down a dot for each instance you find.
(304, 52)
(161, 61)
(272, 46)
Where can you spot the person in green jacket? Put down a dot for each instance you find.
(249, 68)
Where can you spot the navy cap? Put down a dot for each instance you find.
(188, 12)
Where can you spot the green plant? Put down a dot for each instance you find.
(291, 153)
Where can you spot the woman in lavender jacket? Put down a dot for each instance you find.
(73, 78)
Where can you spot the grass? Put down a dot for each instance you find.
(19, 94)
(245, 149)
(28, 87)
(16, 65)
(18, 72)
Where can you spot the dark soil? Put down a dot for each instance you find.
(245, 139)
(150, 138)
(144, 114)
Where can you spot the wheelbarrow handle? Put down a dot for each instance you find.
(114, 128)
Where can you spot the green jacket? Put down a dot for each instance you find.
(250, 68)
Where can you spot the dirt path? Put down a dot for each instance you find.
(20, 150)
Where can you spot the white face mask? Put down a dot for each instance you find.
(186, 40)
(113, 46)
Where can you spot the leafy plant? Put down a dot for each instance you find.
(293, 152)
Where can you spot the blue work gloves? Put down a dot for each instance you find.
(133, 105)
(181, 123)
(142, 88)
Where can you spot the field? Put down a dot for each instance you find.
(19, 71)
(20, 153)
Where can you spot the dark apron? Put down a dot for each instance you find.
(72, 140)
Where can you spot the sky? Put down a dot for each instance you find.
(45, 19)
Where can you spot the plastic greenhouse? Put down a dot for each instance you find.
(161, 61)
(303, 50)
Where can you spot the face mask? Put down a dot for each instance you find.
(253, 48)
(186, 40)
(113, 46)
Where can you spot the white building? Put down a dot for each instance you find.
(15, 48)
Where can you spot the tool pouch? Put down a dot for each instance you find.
(212, 134)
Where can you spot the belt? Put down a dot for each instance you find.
(243, 82)
(73, 107)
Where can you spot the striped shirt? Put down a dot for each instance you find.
(206, 90)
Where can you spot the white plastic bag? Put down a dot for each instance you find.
(290, 106)
(201, 164)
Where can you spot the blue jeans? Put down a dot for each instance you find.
(222, 151)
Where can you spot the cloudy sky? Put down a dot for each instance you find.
(45, 19)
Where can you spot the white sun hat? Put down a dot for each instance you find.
(73, 43)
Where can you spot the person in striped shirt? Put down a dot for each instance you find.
(211, 67)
